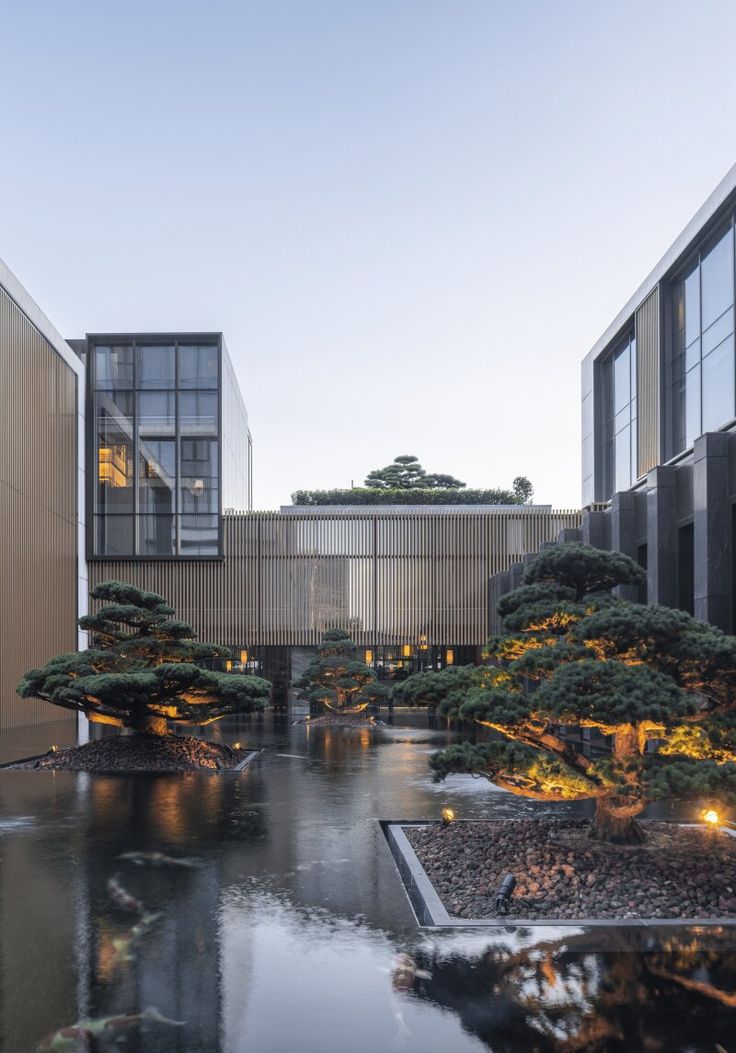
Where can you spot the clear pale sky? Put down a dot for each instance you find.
(410, 219)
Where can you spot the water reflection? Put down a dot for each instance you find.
(276, 921)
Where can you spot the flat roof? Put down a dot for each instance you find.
(707, 212)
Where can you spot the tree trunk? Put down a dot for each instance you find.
(615, 821)
(151, 725)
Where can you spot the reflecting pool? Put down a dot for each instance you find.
(264, 913)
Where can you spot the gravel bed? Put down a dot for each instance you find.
(141, 752)
(679, 873)
(337, 720)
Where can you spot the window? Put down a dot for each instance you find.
(620, 435)
(157, 486)
(703, 384)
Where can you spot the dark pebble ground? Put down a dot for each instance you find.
(680, 873)
(141, 752)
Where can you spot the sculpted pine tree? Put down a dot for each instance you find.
(572, 655)
(338, 679)
(406, 473)
(447, 687)
(141, 671)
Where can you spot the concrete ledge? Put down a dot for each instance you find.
(430, 911)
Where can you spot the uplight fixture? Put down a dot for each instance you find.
(712, 818)
(447, 816)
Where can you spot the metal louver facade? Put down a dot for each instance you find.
(409, 576)
(648, 383)
(38, 509)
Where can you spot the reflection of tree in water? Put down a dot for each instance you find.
(561, 997)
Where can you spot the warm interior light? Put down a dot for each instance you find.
(243, 656)
(112, 465)
(198, 486)
(229, 665)
(406, 650)
(447, 816)
(450, 656)
(423, 642)
(369, 657)
(711, 817)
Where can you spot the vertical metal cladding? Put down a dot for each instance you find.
(410, 576)
(648, 383)
(38, 510)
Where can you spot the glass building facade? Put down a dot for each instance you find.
(702, 387)
(156, 451)
(665, 372)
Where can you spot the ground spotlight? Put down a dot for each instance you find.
(505, 891)
(712, 818)
(447, 816)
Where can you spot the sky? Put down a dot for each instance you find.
(411, 218)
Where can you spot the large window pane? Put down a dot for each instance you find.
(114, 454)
(198, 366)
(199, 476)
(114, 366)
(717, 279)
(692, 406)
(718, 332)
(623, 460)
(718, 386)
(691, 302)
(156, 535)
(156, 412)
(156, 367)
(198, 535)
(113, 535)
(621, 380)
(198, 412)
(157, 476)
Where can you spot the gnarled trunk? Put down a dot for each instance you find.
(151, 725)
(615, 821)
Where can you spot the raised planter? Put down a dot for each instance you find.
(430, 910)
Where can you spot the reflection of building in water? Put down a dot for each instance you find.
(410, 584)
(171, 962)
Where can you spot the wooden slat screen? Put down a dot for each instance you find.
(647, 384)
(387, 577)
(38, 510)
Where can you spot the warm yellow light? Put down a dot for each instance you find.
(447, 816)
(229, 665)
(112, 465)
(243, 657)
(369, 657)
(53, 749)
(711, 817)
(406, 650)
(236, 746)
(450, 656)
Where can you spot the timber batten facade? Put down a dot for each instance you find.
(411, 576)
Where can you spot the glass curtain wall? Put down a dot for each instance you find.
(620, 446)
(703, 377)
(157, 453)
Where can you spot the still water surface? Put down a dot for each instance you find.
(281, 927)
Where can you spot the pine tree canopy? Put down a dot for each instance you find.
(573, 655)
(142, 671)
(338, 678)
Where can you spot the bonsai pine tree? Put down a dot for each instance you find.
(406, 473)
(447, 687)
(571, 655)
(338, 679)
(142, 670)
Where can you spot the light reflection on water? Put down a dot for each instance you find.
(284, 934)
